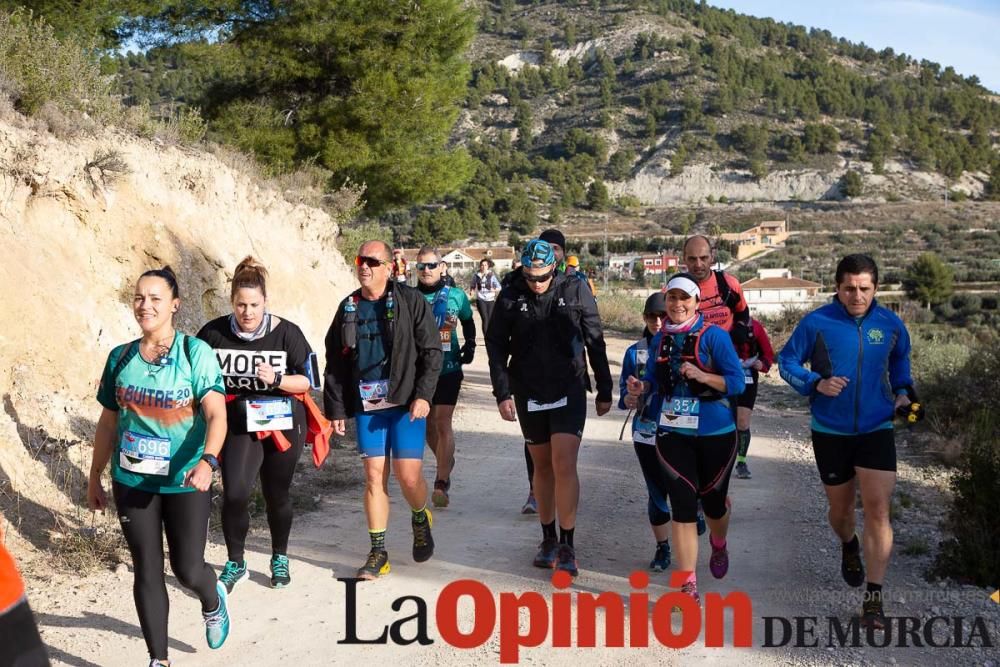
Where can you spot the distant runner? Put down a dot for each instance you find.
(757, 357)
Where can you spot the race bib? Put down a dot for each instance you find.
(144, 454)
(535, 406)
(374, 395)
(748, 376)
(679, 412)
(644, 432)
(269, 414)
(445, 340)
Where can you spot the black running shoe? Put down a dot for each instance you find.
(872, 615)
(376, 566)
(548, 551)
(851, 567)
(423, 543)
(567, 560)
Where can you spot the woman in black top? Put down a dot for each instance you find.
(264, 360)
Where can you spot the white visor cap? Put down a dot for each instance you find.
(684, 284)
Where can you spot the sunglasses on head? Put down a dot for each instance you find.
(370, 262)
(430, 266)
(539, 279)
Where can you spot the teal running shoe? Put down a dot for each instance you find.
(217, 623)
(232, 574)
(280, 576)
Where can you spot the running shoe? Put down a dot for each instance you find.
(742, 471)
(718, 562)
(661, 559)
(280, 576)
(232, 574)
(852, 568)
(440, 495)
(689, 588)
(158, 663)
(423, 543)
(872, 615)
(217, 622)
(530, 505)
(699, 521)
(376, 566)
(566, 560)
(548, 551)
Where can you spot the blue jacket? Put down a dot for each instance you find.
(717, 353)
(634, 366)
(872, 352)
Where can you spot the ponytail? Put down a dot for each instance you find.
(249, 274)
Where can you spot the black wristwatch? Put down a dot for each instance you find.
(277, 381)
(211, 461)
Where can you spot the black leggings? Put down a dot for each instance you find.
(144, 518)
(20, 643)
(698, 467)
(530, 466)
(485, 309)
(657, 483)
(243, 456)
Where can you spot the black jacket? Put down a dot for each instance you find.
(415, 361)
(536, 343)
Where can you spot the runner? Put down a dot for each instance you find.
(383, 358)
(695, 370)
(859, 374)
(486, 286)
(450, 306)
(722, 301)
(20, 643)
(446, 279)
(644, 431)
(757, 357)
(399, 267)
(162, 427)
(536, 341)
(554, 238)
(266, 361)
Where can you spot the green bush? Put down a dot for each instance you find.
(621, 311)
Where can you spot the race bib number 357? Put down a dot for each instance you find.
(680, 412)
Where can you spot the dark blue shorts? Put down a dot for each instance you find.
(391, 433)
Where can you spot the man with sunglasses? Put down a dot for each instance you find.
(542, 324)
(383, 358)
(450, 306)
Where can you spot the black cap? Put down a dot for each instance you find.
(656, 303)
(554, 236)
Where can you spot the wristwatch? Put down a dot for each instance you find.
(211, 461)
(277, 381)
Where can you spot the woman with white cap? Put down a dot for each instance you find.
(695, 370)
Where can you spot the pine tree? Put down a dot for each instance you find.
(928, 280)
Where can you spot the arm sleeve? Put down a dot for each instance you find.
(899, 361)
(766, 351)
(206, 375)
(428, 343)
(468, 322)
(792, 357)
(298, 350)
(593, 338)
(498, 349)
(628, 368)
(338, 370)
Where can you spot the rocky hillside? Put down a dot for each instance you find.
(83, 218)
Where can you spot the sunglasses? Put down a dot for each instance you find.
(430, 266)
(370, 262)
(655, 316)
(539, 279)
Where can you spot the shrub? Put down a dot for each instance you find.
(621, 312)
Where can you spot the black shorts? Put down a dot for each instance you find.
(838, 455)
(749, 395)
(698, 468)
(447, 388)
(539, 426)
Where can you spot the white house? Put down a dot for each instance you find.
(465, 261)
(774, 290)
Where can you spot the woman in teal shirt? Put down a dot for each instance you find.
(162, 427)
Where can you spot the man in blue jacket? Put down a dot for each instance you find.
(858, 375)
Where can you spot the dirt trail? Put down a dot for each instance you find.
(779, 544)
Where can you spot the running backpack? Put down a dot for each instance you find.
(667, 379)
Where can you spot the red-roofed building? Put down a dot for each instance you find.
(774, 290)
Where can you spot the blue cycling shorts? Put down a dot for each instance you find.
(390, 432)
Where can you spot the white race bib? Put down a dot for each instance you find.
(644, 432)
(445, 339)
(747, 376)
(680, 412)
(535, 406)
(269, 414)
(144, 454)
(374, 395)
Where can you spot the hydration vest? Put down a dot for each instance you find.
(349, 326)
(668, 379)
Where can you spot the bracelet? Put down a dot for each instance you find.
(212, 462)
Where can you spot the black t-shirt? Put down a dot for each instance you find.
(285, 348)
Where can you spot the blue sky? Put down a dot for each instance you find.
(962, 33)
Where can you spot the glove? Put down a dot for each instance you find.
(468, 352)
